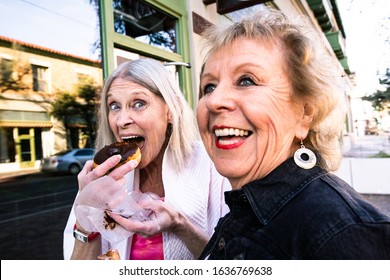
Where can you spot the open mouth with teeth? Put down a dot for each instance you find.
(138, 140)
(228, 138)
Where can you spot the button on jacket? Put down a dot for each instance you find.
(299, 214)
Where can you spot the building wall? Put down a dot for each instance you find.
(17, 107)
(63, 73)
(366, 175)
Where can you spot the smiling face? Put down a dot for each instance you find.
(135, 112)
(246, 117)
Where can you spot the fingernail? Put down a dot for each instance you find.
(119, 157)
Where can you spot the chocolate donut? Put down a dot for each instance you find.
(128, 150)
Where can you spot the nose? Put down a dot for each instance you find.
(221, 99)
(124, 119)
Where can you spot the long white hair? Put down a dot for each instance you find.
(152, 75)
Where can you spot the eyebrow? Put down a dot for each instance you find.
(133, 93)
(206, 75)
(250, 65)
(237, 68)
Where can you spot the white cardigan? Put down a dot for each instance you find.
(196, 191)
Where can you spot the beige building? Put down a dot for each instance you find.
(27, 131)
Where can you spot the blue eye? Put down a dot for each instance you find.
(113, 106)
(246, 81)
(208, 88)
(138, 105)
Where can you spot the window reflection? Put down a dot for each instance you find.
(139, 20)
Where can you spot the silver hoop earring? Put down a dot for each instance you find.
(305, 158)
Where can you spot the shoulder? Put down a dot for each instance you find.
(199, 154)
(332, 205)
(196, 164)
(373, 241)
(326, 215)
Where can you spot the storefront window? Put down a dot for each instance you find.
(142, 22)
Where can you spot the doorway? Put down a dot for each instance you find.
(25, 146)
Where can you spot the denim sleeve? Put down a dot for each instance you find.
(358, 242)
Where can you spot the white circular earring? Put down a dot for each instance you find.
(304, 157)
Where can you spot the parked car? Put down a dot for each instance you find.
(71, 161)
(371, 128)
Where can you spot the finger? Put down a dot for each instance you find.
(106, 166)
(153, 205)
(129, 224)
(88, 166)
(102, 193)
(121, 171)
(148, 227)
(89, 174)
(81, 177)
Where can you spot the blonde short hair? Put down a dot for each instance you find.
(314, 74)
(152, 75)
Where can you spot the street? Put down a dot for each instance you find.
(33, 213)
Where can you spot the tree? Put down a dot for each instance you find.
(380, 100)
(96, 47)
(89, 93)
(11, 75)
(81, 106)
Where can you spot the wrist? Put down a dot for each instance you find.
(83, 236)
(180, 224)
(80, 228)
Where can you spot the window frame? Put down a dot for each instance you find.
(112, 40)
(39, 82)
(7, 60)
(47, 74)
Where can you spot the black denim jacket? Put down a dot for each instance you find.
(299, 214)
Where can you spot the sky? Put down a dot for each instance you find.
(367, 27)
(71, 26)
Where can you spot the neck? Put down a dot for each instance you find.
(151, 179)
(151, 175)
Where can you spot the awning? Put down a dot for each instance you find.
(25, 124)
(336, 41)
(228, 6)
(10, 118)
(344, 63)
(322, 12)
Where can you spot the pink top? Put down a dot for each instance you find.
(147, 248)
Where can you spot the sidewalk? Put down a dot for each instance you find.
(10, 174)
(366, 146)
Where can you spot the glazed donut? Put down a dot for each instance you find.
(128, 150)
(111, 254)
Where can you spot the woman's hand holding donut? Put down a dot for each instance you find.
(101, 191)
(89, 174)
